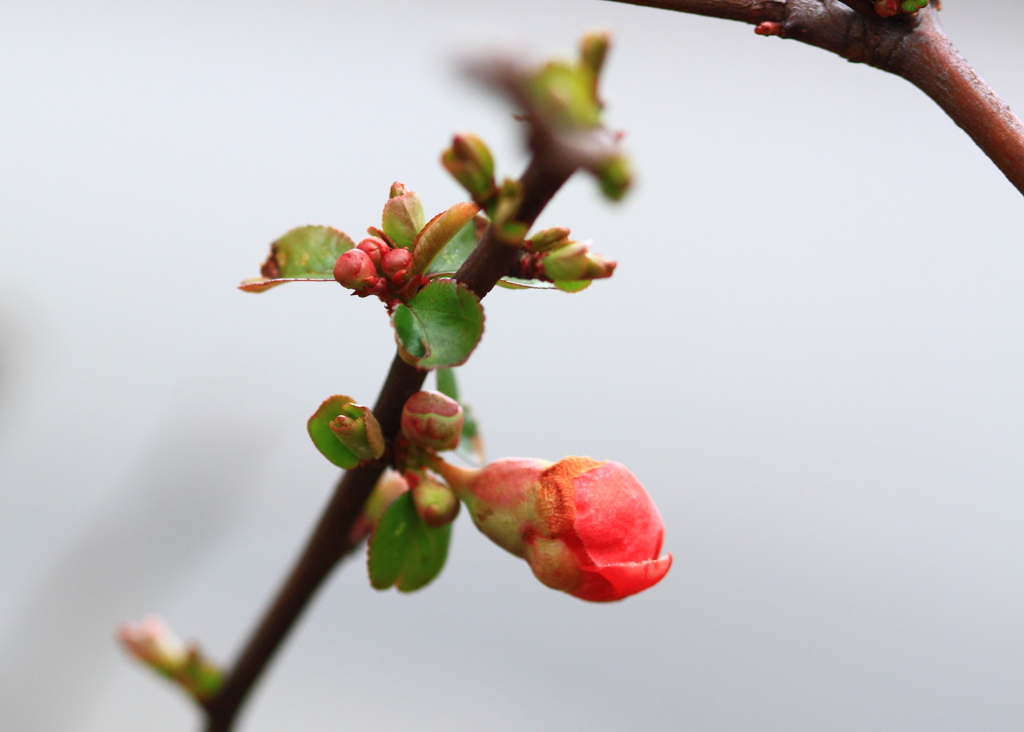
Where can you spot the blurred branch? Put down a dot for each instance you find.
(913, 47)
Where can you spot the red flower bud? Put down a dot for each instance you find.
(585, 527)
(375, 247)
(396, 261)
(355, 270)
(431, 419)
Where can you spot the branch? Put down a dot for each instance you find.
(330, 540)
(914, 48)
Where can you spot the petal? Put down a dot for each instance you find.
(616, 519)
(616, 581)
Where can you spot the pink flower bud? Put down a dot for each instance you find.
(396, 261)
(431, 419)
(435, 502)
(355, 270)
(375, 247)
(585, 527)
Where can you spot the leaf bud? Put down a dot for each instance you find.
(435, 502)
(396, 261)
(153, 643)
(548, 239)
(358, 430)
(390, 486)
(431, 419)
(471, 164)
(575, 262)
(403, 216)
(593, 49)
(508, 230)
(615, 176)
(355, 270)
(376, 248)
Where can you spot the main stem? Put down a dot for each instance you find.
(914, 48)
(330, 541)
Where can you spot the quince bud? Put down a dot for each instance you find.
(585, 527)
(396, 262)
(359, 431)
(576, 262)
(376, 248)
(887, 8)
(390, 486)
(435, 502)
(615, 176)
(403, 216)
(355, 270)
(153, 643)
(548, 239)
(431, 419)
(471, 164)
(593, 49)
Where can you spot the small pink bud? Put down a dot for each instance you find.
(396, 262)
(153, 643)
(435, 502)
(431, 419)
(390, 486)
(355, 270)
(376, 248)
(585, 527)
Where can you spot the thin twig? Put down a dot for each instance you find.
(330, 540)
(914, 48)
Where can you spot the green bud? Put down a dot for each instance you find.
(508, 230)
(153, 643)
(565, 93)
(431, 419)
(359, 431)
(548, 239)
(471, 164)
(576, 262)
(403, 216)
(615, 176)
(435, 502)
(909, 6)
(593, 49)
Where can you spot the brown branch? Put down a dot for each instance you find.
(914, 48)
(330, 541)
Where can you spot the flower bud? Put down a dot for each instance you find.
(575, 262)
(470, 163)
(435, 502)
(548, 239)
(887, 8)
(431, 419)
(396, 261)
(615, 176)
(153, 643)
(585, 527)
(359, 431)
(376, 248)
(355, 270)
(390, 486)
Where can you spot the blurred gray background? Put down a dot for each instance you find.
(811, 355)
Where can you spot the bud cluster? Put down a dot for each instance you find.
(889, 8)
(376, 268)
(553, 257)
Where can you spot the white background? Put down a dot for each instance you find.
(810, 354)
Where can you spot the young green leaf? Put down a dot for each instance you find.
(305, 253)
(319, 427)
(404, 551)
(440, 326)
(437, 233)
(403, 218)
(456, 251)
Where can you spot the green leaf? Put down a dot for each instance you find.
(456, 251)
(437, 233)
(404, 551)
(403, 218)
(446, 383)
(516, 283)
(319, 427)
(440, 326)
(305, 253)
